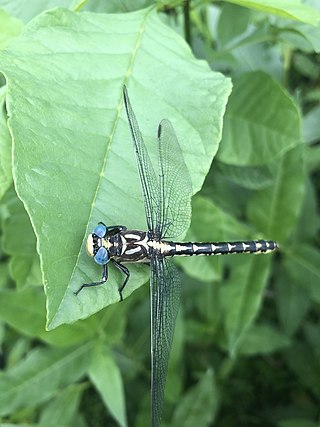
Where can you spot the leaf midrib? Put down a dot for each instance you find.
(110, 139)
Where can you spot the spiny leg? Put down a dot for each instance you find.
(126, 272)
(101, 282)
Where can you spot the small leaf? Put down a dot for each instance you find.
(106, 377)
(263, 339)
(275, 210)
(114, 6)
(293, 302)
(233, 21)
(292, 9)
(19, 241)
(25, 311)
(62, 409)
(297, 422)
(309, 220)
(10, 28)
(310, 34)
(209, 224)
(311, 125)
(305, 365)
(198, 407)
(261, 122)
(311, 331)
(250, 177)
(40, 375)
(26, 12)
(302, 263)
(5, 148)
(242, 294)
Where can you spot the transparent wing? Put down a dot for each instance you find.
(175, 188)
(165, 300)
(167, 199)
(148, 179)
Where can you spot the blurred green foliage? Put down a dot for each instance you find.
(247, 349)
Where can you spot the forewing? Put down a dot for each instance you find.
(175, 188)
(147, 175)
(165, 300)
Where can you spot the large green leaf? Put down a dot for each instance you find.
(73, 156)
(292, 9)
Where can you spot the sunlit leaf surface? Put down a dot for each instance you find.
(73, 157)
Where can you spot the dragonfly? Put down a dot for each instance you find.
(167, 200)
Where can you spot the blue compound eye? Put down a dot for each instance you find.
(102, 256)
(100, 230)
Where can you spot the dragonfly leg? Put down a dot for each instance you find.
(101, 282)
(126, 272)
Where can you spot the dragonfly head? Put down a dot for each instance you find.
(95, 247)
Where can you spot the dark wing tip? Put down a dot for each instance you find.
(164, 124)
(126, 98)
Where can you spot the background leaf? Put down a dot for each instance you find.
(209, 223)
(241, 297)
(263, 339)
(275, 210)
(293, 302)
(17, 7)
(9, 28)
(292, 9)
(199, 405)
(19, 241)
(5, 148)
(106, 377)
(55, 368)
(63, 408)
(252, 112)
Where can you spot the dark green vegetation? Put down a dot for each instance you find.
(247, 346)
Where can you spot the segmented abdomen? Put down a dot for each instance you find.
(218, 248)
